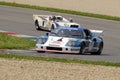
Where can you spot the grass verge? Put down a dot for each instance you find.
(61, 11)
(16, 56)
(12, 42)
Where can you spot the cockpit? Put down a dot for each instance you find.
(56, 18)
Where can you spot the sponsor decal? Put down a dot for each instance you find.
(57, 43)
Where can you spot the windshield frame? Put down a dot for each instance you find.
(67, 33)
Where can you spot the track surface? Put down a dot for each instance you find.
(20, 20)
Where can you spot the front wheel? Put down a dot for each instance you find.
(37, 25)
(52, 27)
(82, 48)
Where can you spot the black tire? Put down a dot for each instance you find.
(99, 50)
(82, 48)
(37, 25)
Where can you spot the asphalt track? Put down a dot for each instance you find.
(20, 20)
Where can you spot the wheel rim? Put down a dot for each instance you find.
(83, 50)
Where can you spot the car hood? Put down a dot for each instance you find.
(59, 41)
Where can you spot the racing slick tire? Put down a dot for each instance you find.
(99, 50)
(37, 25)
(82, 49)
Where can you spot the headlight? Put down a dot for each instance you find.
(71, 43)
(41, 40)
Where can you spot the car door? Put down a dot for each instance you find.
(88, 40)
(89, 44)
(47, 24)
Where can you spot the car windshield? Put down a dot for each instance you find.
(66, 33)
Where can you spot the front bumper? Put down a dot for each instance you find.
(57, 49)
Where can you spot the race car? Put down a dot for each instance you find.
(71, 40)
(49, 22)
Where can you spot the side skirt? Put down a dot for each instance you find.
(94, 49)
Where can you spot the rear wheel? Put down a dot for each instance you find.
(99, 50)
(52, 27)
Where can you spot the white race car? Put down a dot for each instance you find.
(49, 22)
(71, 40)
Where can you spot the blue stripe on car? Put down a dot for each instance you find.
(57, 25)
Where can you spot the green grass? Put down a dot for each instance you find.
(12, 42)
(61, 11)
(15, 56)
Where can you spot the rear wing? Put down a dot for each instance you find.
(97, 33)
(41, 17)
